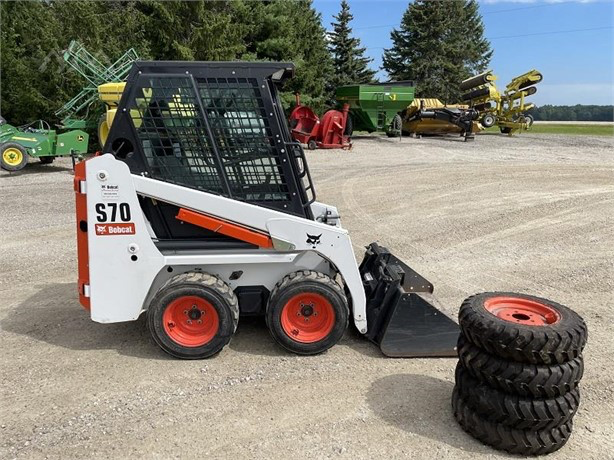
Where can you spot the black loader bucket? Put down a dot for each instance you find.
(400, 320)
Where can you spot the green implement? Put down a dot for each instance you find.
(375, 107)
(37, 140)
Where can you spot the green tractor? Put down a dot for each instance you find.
(37, 140)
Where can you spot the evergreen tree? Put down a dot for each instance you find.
(35, 82)
(438, 44)
(350, 64)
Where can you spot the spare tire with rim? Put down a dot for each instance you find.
(523, 328)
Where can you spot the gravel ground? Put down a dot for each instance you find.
(532, 213)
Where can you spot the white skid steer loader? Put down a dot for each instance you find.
(202, 209)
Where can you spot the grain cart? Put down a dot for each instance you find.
(202, 209)
(37, 140)
(376, 107)
(507, 109)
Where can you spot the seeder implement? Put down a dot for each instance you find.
(507, 109)
(201, 209)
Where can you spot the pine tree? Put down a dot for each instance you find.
(350, 64)
(438, 44)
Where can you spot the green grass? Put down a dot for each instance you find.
(580, 129)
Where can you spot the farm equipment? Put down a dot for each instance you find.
(431, 116)
(375, 107)
(37, 140)
(76, 112)
(327, 133)
(202, 209)
(507, 110)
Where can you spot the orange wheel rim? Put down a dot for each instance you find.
(522, 311)
(307, 318)
(190, 321)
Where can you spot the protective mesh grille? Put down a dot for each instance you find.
(239, 161)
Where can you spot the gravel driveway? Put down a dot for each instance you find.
(532, 213)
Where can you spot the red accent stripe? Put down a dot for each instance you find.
(82, 248)
(225, 228)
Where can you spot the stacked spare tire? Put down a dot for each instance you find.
(520, 363)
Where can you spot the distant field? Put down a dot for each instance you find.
(601, 129)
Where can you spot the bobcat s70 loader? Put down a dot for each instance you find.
(201, 209)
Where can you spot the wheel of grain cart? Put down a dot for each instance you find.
(312, 145)
(46, 160)
(513, 410)
(523, 328)
(13, 156)
(103, 130)
(523, 442)
(523, 379)
(488, 120)
(395, 126)
(307, 312)
(349, 126)
(193, 315)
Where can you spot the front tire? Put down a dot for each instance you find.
(13, 157)
(307, 312)
(193, 316)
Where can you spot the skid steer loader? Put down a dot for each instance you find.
(201, 209)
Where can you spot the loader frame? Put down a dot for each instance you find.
(199, 174)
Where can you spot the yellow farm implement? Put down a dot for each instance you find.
(507, 109)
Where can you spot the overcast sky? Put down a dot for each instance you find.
(571, 42)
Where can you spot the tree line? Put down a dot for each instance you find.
(438, 44)
(573, 112)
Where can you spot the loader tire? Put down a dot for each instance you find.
(523, 379)
(514, 411)
(502, 437)
(523, 328)
(193, 315)
(307, 312)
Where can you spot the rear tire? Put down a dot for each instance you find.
(523, 328)
(46, 160)
(193, 315)
(395, 126)
(523, 442)
(312, 145)
(527, 380)
(307, 312)
(512, 410)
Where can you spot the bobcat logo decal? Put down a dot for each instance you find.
(313, 240)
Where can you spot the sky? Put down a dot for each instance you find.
(577, 65)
